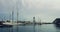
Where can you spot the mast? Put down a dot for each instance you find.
(17, 16)
(2, 18)
(12, 16)
(17, 13)
(40, 22)
(17, 10)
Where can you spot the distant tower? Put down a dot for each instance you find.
(34, 20)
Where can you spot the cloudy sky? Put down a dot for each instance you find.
(44, 10)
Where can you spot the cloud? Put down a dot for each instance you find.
(47, 10)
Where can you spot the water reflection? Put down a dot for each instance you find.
(6, 26)
(57, 26)
(5, 29)
(32, 28)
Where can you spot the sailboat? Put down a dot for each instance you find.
(6, 23)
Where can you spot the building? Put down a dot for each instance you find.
(56, 21)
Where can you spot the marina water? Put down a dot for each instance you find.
(31, 28)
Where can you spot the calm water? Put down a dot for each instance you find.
(31, 28)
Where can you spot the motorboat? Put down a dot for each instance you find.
(5, 25)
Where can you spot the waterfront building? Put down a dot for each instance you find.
(56, 21)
